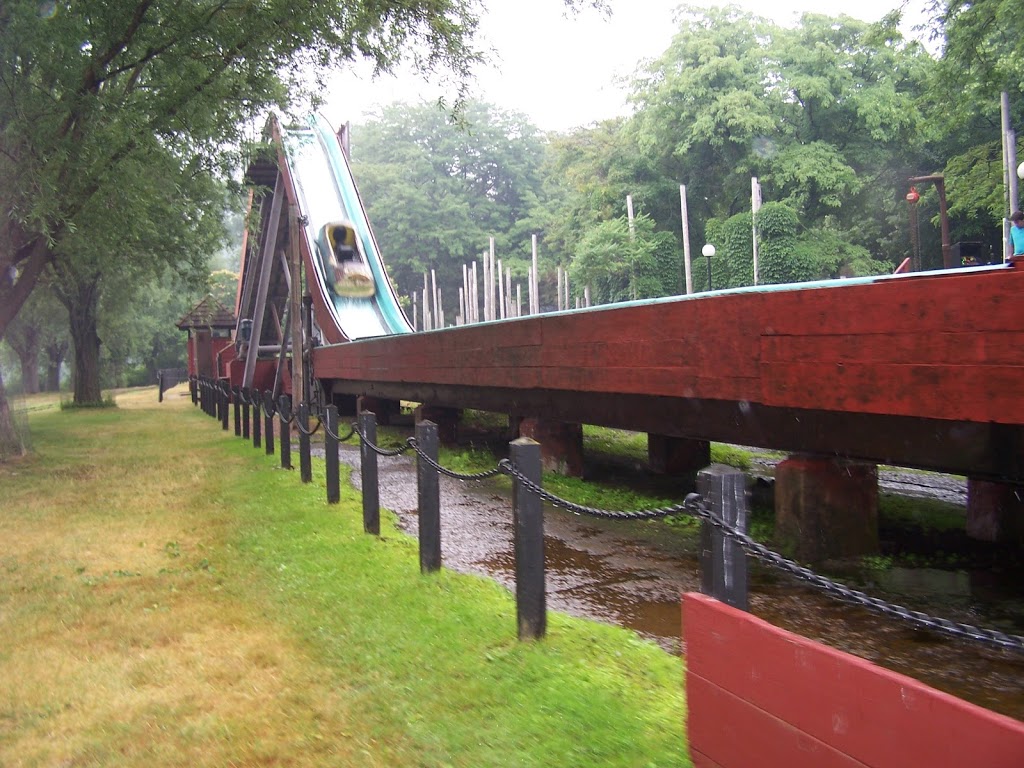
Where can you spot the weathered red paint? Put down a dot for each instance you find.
(945, 346)
(759, 695)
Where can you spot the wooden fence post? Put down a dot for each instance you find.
(245, 413)
(223, 399)
(723, 564)
(368, 470)
(528, 517)
(305, 469)
(257, 397)
(331, 454)
(284, 405)
(428, 494)
(268, 422)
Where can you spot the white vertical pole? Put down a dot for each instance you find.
(632, 237)
(559, 288)
(440, 312)
(492, 288)
(508, 291)
(437, 297)
(462, 305)
(415, 325)
(475, 291)
(535, 285)
(519, 300)
(687, 263)
(501, 291)
(426, 311)
(755, 206)
(1009, 154)
(586, 296)
(566, 283)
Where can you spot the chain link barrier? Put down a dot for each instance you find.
(411, 442)
(695, 506)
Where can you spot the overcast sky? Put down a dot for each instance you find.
(560, 70)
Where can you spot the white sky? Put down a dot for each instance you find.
(562, 70)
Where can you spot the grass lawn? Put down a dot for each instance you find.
(170, 597)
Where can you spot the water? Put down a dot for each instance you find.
(632, 575)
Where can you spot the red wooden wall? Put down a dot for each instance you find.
(932, 345)
(760, 696)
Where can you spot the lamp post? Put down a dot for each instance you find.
(707, 252)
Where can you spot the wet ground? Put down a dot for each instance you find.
(632, 574)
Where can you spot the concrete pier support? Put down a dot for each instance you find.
(677, 455)
(446, 419)
(561, 444)
(826, 507)
(995, 512)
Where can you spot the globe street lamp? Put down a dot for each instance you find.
(708, 251)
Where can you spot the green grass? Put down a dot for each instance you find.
(171, 597)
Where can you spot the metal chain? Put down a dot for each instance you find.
(506, 466)
(846, 594)
(377, 449)
(309, 432)
(451, 473)
(694, 505)
(327, 430)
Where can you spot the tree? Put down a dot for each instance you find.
(436, 190)
(619, 264)
(99, 97)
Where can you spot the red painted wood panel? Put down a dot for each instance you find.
(737, 663)
(941, 345)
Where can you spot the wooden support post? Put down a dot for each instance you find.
(723, 564)
(305, 468)
(368, 469)
(268, 422)
(428, 494)
(284, 406)
(528, 518)
(256, 410)
(223, 399)
(245, 413)
(331, 454)
(236, 396)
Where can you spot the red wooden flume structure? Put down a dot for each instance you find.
(919, 369)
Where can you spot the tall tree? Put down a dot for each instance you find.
(437, 189)
(94, 92)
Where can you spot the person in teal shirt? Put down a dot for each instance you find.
(1017, 233)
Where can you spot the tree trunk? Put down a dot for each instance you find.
(55, 354)
(11, 443)
(82, 310)
(25, 344)
(30, 372)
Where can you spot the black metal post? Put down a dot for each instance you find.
(305, 469)
(368, 470)
(284, 408)
(528, 518)
(160, 385)
(268, 422)
(245, 413)
(224, 400)
(236, 396)
(331, 454)
(709, 271)
(257, 429)
(428, 494)
(723, 564)
(192, 389)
